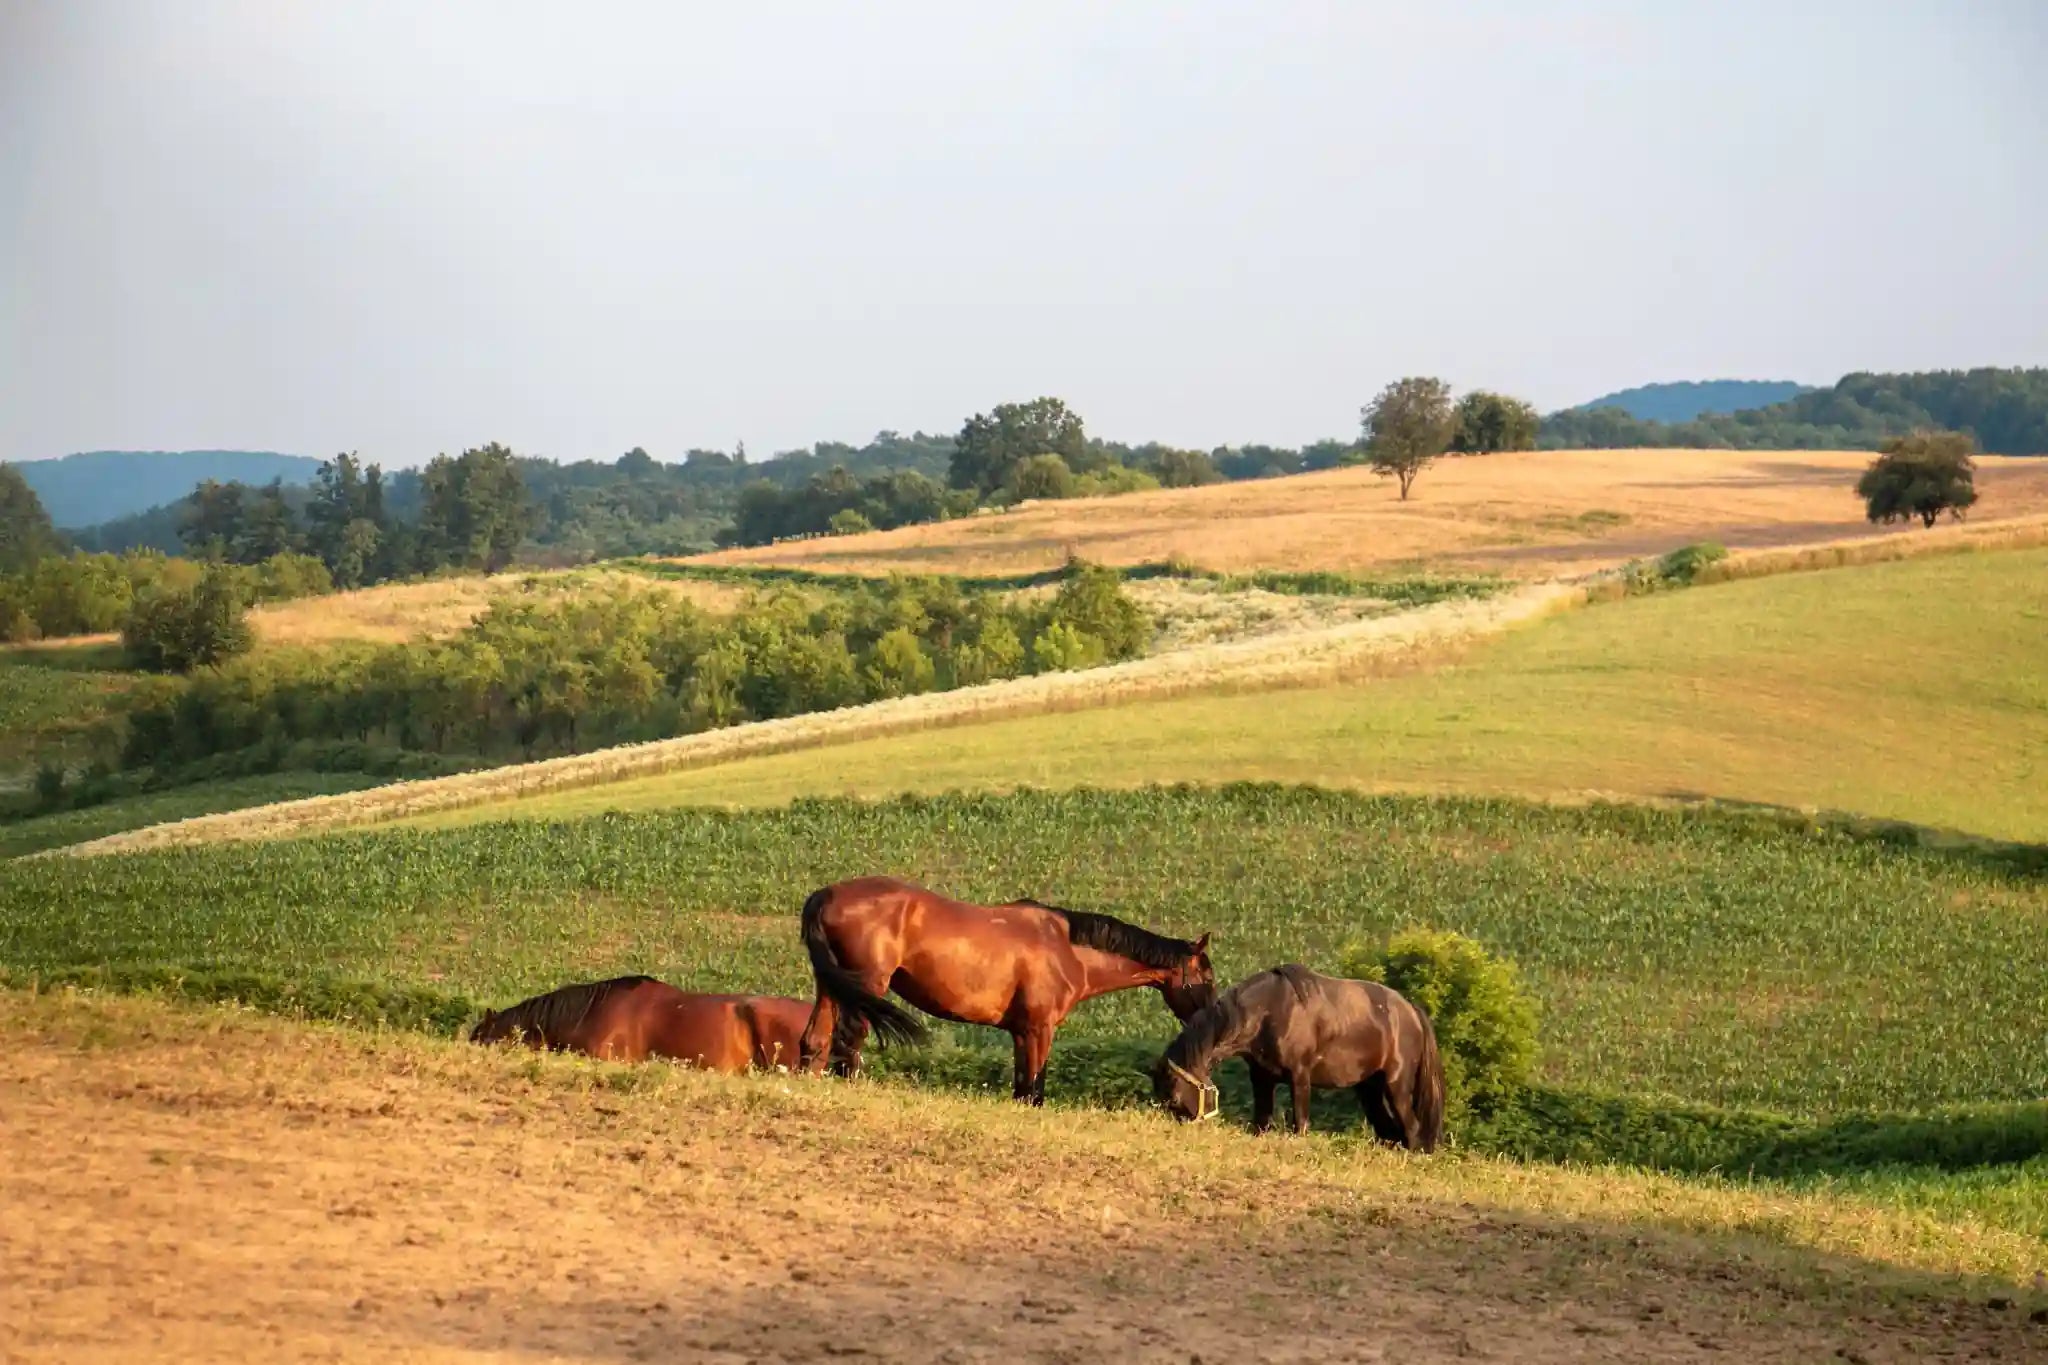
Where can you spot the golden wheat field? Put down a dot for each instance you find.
(1535, 514)
(419, 611)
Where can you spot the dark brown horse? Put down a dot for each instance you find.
(1317, 1033)
(1020, 967)
(632, 1018)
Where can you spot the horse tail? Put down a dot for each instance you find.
(1428, 1096)
(890, 1021)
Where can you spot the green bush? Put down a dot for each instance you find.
(848, 522)
(179, 629)
(1683, 564)
(1042, 476)
(1485, 1022)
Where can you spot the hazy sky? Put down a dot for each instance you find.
(404, 228)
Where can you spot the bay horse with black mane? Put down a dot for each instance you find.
(1315, 1032)
(632, 1018)
(1019, 967)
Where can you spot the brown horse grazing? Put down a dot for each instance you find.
(632, 1018)
(1316, 1032)
(1020, 967)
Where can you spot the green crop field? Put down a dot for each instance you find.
(60, 828)
(1719, 958)
(1915, 690)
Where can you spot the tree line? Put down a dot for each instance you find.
(2002, 411)
(567, 667)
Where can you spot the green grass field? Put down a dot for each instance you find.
(1718, 958)
(178, 803)
(1915, 690)
(53, 699)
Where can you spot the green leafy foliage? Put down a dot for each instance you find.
(1920, 476)
(1485, 1022)
(1485, 423)
(993, 444)
(1040, 476)
(26, 535)
(563, 667)
(2005, 410)
(176, 630)
(848, 522)
(1407, 426)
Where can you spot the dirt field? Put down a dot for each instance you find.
(1534, 514)
(198, 1185)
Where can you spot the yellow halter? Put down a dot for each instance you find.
(1208, 1100)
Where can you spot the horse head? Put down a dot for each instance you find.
(1184, 1094)
(1190, 986)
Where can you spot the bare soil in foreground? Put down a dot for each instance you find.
(179, 1184)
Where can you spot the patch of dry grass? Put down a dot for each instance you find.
(393, 613)
(1533, 514)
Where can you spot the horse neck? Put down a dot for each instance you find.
(1217, 1034)
(1103, 972)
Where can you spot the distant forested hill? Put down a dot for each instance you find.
(1690, 398)
(2005, 409)
(102, 485)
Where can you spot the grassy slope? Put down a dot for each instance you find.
(1677, 952)
(178, 803)
(1532, 514)
(1915, 690)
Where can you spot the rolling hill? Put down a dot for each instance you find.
(1686, 399)
(101, 485)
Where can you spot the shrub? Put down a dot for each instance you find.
(1485, 1022)
(50, 786)
(898, 666)
(1683, 564)
(1042, 476)
(178, 630)
(847, 522)
(1093, 603)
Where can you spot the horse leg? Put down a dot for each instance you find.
(1376, 1103)
(846, 1046)
(1033, 1052)
(1298, 1082)
(1265, 1085)
(1401, 1104)
(815, 1048)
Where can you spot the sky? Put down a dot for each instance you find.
(402, 228)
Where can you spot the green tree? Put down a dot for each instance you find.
(475, 512)
(898, 666)
(179, 629)
(1921, 475)
(345, 518)
(211, 517)
(1407, 426)
(1041, 476)
(1490, 422)
(25, 531)
(1185, 469)
(848, 522)
(992, 444)
(268, 527)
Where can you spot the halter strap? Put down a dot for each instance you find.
(1208, 1100)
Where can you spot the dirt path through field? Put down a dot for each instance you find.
(182, 1185)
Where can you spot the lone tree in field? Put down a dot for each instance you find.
(1922, 475)
(1407, 426)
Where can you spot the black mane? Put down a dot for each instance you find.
(1089, 930)
(1230, 1019)
(554, 1014)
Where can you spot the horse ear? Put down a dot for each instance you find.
(1202, 943)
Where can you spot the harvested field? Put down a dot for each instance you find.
(1533, 514)
(398, 612)
(232, 1188)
